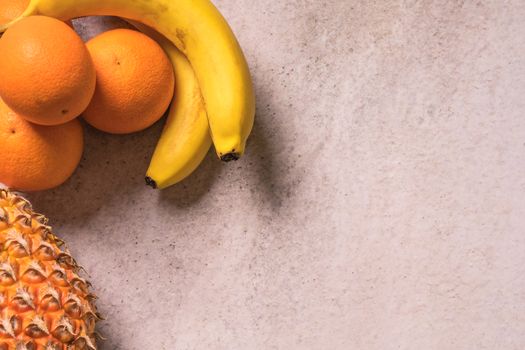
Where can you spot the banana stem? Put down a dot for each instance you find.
(228, 157)
(150, 182)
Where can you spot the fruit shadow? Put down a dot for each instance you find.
(197, 185)
(263, 168)
(111, 170)
(267, 159)
(106, 339)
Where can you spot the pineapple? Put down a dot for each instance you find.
(44, 304)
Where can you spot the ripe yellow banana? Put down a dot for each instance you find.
(185, 139)
(198, 30)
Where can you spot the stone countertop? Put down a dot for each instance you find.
(380, 204)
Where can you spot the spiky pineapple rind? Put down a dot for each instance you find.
(44, 303)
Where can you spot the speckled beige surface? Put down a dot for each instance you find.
(380, 205)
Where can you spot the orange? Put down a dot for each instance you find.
(36, 157)
(135, 82)
(46, 72)
(11, 9)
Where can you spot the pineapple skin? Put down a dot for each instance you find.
(44, 303)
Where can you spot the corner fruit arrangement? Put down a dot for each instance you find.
(185, 60)
(212, 102)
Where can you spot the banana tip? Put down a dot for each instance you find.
(228, 157)
(150, 182)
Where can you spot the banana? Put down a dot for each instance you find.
(185, 140)
(199, 31)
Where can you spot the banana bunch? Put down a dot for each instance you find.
(214, 99)
(186, 139)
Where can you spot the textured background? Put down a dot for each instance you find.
(381, 203)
